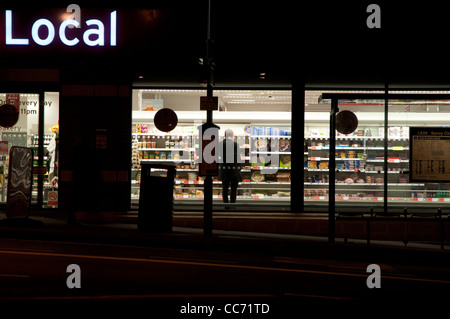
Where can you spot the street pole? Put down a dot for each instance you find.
(207, 184)
(332, 172)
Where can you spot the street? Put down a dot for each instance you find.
(182, 282)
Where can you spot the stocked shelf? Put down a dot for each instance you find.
(360, 171)
(265, 169)
(379, 199)
(219, 197)
(366, 184)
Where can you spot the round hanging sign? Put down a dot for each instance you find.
(9, 115)
(346, 122)
(165, 120)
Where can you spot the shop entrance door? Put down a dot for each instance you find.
(371, 167)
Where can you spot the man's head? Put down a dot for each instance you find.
(229, 133)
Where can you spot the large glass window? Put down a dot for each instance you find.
(403, 115)
(359, 155)
(259, 119)
(26, 133)
(372, 167)
(51, 149)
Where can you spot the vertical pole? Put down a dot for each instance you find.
(40, 184)
(386, 153)
(207, 184)
(332, 172)
(441, 222)
(298, 136)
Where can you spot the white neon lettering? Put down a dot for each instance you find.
(62, 32)
(8, 31)
(100, 33)
(35, 32)
(113, 27)
(43, 32)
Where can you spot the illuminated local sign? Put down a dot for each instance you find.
(43, 32)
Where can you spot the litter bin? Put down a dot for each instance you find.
(156, 197)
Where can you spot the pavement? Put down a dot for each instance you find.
(392, 254)
(48, 228)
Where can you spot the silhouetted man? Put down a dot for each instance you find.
(229, 166)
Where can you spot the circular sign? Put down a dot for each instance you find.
(346, 122)
(9, 115)
(165, 120)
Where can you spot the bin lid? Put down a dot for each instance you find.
(159, 165)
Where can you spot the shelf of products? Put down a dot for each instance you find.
(265, 168)
(48, 185)
(360, 170)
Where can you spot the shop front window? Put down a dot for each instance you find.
(359, 155)
(25, 133)
(260, 121)
(373, 163)
(430, 188)
(51, 149)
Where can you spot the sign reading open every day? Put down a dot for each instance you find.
(429, 154)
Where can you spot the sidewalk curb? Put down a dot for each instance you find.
(228, 241)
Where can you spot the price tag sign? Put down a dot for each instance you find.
(393, 160)
(209, 103)
(39, 170)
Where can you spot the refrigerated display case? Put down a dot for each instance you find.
(360, 156)
(263, 135)
(265, 170)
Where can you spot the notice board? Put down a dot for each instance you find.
(429, 159)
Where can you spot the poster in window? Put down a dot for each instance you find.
(429, 154)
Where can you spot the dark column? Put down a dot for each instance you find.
(101, 115)
(332, 172)
(297, 139)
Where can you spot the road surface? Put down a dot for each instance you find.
(184, 283)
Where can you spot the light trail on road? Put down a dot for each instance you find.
(221, 265)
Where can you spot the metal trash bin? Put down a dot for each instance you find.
(156, 197)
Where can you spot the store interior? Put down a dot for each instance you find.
(260, 120)
(360, 156)
(25, 133)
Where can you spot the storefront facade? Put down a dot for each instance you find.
(74, 101)
(102, 84)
